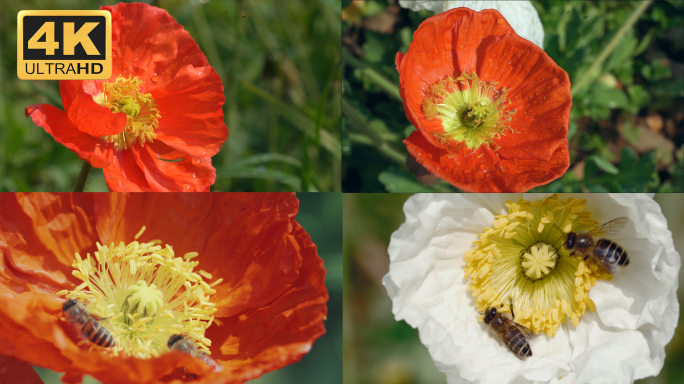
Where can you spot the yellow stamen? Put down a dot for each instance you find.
(471, 110)
(145, 293)
(526, 263)
(142, 115)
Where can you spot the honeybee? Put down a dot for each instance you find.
(515, 336)
(185, 345)
(604, 252)
(79, 317)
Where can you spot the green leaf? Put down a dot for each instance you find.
(396, 180)
(603, 164)
(373, 48)
(623, 52)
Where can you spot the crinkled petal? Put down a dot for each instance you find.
(56, 123)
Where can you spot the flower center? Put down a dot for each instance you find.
(471, 110)
(538, 260)
(521, 259)
(144, 295)
(123, 95)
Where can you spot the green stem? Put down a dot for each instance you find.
(588, 75)
(373, 75)
(82, 177)
(359, 121)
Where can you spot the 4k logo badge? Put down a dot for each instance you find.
(64, 45)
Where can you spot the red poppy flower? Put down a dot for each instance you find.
(233, 273)
(163, 102)
(491, 108)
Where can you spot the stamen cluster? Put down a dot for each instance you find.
(471, 110)
(123, 95)
(522, 260)
(146, 294)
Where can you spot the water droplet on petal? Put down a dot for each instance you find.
(196, 161)
(155, 79)
(499, 21)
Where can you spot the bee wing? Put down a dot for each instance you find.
(610, 227)
(528, 332)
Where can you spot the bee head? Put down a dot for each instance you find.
(570, 240)
(68, 304)
(173, 339)
(490, 313)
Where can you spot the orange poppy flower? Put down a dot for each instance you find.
(163, 102)
(491, 108)
(233, 273)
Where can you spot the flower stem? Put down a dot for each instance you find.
(82, 177)
(588, 75)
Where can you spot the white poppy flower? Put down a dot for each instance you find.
(622, 340)
(521, 15)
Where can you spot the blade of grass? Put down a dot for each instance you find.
(263, 158)
(298, 119)
(260, 173)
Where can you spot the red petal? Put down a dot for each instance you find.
(539, 91)
(125, 175)
(14, 371)
(187, 175)
(192, 115)
(243, 237)
(487, 173)
(85, 113)
(55, 122)
(147, 42)
(281, 332)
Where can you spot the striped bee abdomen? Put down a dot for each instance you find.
(518, 343)
(97, 334)
(610, 254)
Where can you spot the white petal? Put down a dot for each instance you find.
(521, 15)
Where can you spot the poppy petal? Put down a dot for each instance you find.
(13, 370)
(87, 115)
(148, 42)
(470, 174)
(125, 175)
(56, 123)
(187, 175)
(200, 131)
(233, 225)
(281, 332)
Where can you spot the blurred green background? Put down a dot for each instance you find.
(380, 350)
(626, 124)
(280, 66)
(321, 216)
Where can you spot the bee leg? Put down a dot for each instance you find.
(586, 257)
(512, 314)
(188, 374)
